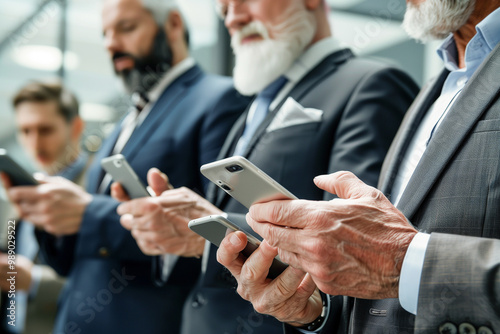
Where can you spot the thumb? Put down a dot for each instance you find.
(345, 185)
(158, 181)
(5, 180)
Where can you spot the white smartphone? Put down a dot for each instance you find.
(215, 228)
(118, 167)
(244, 181)
(17, 175)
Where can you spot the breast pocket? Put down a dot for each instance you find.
(487, 125)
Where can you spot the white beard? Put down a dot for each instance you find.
(436, 19)
(259, 63)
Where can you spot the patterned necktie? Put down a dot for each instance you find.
(261, 105)
(140, 100)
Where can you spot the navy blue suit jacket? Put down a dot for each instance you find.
(109, 287)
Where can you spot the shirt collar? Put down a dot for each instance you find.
(485, 40)
(311, 57)
(170, 77)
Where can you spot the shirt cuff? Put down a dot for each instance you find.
(411, 271)
(326, 314)
(169, 261)
(36, 277)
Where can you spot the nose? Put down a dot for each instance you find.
(111, 42)
(237, 16)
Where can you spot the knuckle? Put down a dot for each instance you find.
(261, 306)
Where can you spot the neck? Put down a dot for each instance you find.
(323, 27)
(468, 30)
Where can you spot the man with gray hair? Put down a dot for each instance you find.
(181, 119)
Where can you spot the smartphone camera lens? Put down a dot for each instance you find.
(117, 163)
(234, 168)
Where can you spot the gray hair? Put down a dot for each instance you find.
(160, 9)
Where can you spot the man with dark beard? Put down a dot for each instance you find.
(182, 118)
(319, 109)
(433, 249)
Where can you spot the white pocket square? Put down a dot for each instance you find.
(292, 113)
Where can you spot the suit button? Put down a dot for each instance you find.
(103, 252)
(198, 301)
(448, 328)
(466, 328)
(484, 330)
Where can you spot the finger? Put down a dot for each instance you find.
(25, 194)
(118, 193)
(158, 181)
(136, 207)
(229, 250)
(285, 285)
(277, 236)
(345, 185)
(5, 180)
(256, 268)
(127, 221)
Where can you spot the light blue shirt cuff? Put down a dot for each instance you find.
(411, 271)
(327, 313)
(36, 278)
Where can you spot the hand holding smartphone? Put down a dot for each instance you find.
(215, 228)
(17, 175)
(118, 167)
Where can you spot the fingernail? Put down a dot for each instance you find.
(235, 240)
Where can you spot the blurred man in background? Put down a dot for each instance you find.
(180, 120)
(318, 109)
(49, 129)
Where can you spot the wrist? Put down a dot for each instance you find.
(317, 320)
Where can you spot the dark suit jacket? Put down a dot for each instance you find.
(454, 189)
(363, 103)
(109, 287)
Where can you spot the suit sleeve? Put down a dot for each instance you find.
(460, 283)
(369, 123)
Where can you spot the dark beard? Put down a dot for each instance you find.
(150, 69)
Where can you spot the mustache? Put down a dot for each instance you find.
(119, 54)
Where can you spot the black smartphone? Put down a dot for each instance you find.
(18, 175)
(214, 229)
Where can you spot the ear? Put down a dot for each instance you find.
(174, 27)
(313, 4)
(77, 127)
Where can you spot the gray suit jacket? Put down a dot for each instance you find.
(454, 189)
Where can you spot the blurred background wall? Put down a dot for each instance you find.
(43, 39)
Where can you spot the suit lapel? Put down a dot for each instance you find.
(312, 79)
(423, 102)
(164, 107)
(463, 115)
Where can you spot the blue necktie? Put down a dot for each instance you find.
(262, 103)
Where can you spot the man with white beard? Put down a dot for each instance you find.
(318, 109)
(433, 249)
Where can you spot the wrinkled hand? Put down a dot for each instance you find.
(352, 246)
(160, 224)
(291, 297)
(23, 276)
(56, 206)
